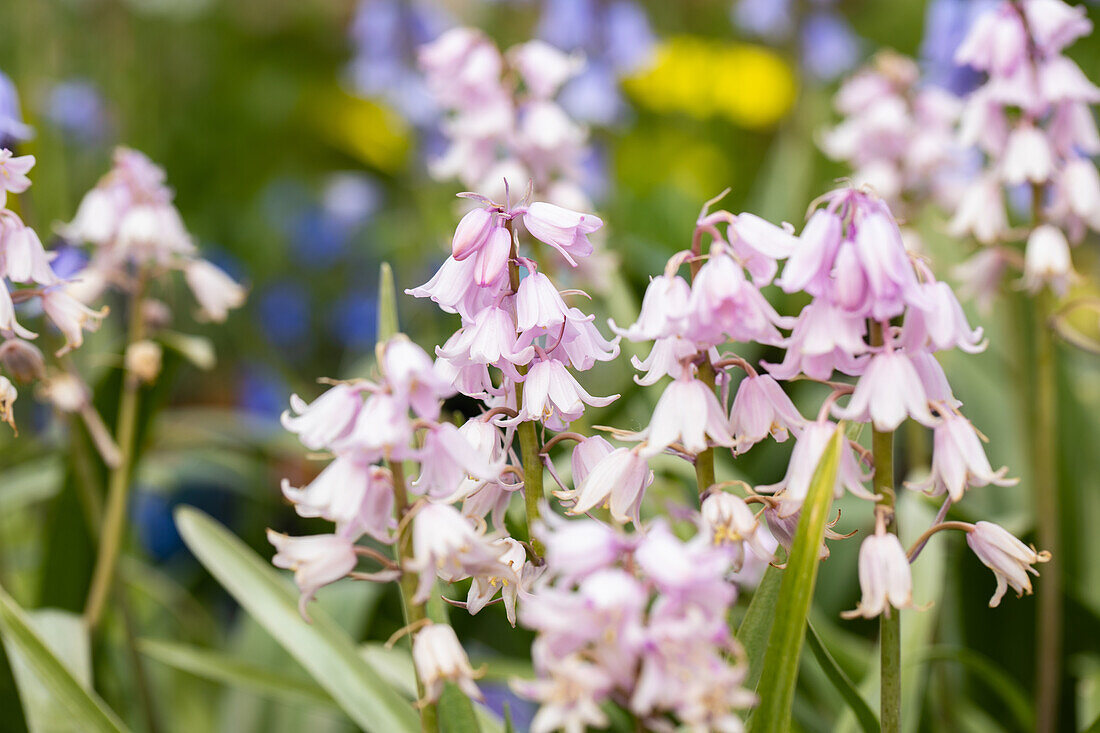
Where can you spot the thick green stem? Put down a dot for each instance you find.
(882, 446)
(1043, 442)
(704, 460)
(414, 612)
(118, 485)
(529, 449)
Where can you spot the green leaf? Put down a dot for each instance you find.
(32, 657)
(866, 717)
(219, 667)
(387, 304)
(323, 648)
(198, 350)
(757, 624)
(456, 712)
(780, 672)
(1015, 699)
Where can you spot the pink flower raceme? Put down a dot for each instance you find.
(439, 658)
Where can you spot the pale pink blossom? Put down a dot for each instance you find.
(581, 343)
(1061, 80)
(688, 413)
(666, 358)
(569, 694)
(618, 481)
(316, 560)
(1054, 24)
(25, 260)
(70, 316)
(933, 379)
(762, 408)
(216, 292)
(884, 577)
(1008, 558)
(382, 429)
(412, 375)
(997, 42)
(553, 396)
(732, 524)
(447, 459)
(811, 261)
(881, 254)
(565, 230)
(446, 544)
(808, 450)
(543, 68)
(942, 324)
(889, 391)
(1028, 156)
(485, 587)
(586, 454)
(959, 461)
(576, 549)
(664, 308)
(725, 306)
(439, 658)
(341, 492)
(472, 233)
(489, 339)
(13, 174)
(461, 66)
(491, 260)
(454, 290)
(826, 338)
(327, 419)
(1047, 260)
(540, 305)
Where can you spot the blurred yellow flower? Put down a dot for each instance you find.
(366, 129)
(750, 85)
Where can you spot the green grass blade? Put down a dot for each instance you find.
(85, 710)
(387, 304)
(866, 717)
(757, 624)
(323, 648)
(780, 672)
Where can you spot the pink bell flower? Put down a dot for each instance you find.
(485, 587)
(565, 230)
(327, 419)
(997, 42)
(581, 343)
(808, 450)
(489, 339)
(1008, 558)
(666, 358)
(811, 261)
(618, 480)
(382, 429)
(1047, 260)
(472, 233)
(316, 560)
(439, 658)
(454, 289)
(569, 693)
(447, 459)
(724, 305)
(1028, 157)
(446, 544)
(491, 261)
(664, 308)
(412, 375)
(884, 577)
(13, 174)
(933, 379)
(942, 324)
(1054, 24)
(586, 454)
(889, 391)
(215, 291)
(70, 316)
(543, 67)
(959, 461)
(732, 525)
(540, 305)
(826, 338)
(762, 408)
(687, 413)
(25, 259)
(575, 549)
(553, 396)
(350, 492)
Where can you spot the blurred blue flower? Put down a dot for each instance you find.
(284, 312)
(318, 239)
(946, 23)
(767, 19)
(569, 24)
(351, 198)
(497, 695)
(76, 108)
(628, 37)
(261, 391)
(593, 96)
(386, 34)
(12, 128)
(68, 260)
(829, 45)
(355, 320)
(151, 512)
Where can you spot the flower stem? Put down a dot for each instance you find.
(1048, 636)
(704, 460)
(414, 612)
(529, 447)
(882, 446)
(118, 484)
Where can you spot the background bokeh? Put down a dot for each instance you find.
(296, 135)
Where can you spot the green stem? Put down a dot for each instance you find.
(118, 484)
(1044, 425)
(704, 460)
(882, 446)
(414, 612)
(529, 448)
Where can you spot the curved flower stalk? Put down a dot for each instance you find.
(138, 238)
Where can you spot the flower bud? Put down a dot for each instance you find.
(143, 360)
(66, 392)
(23, 359)
(472, 233)
(440, 658)
(1047, 260)
(884, 576)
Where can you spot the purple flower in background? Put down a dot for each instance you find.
(829, 45)
(12, 127)
(767, 19)
(261, 391)
(319, 240)
(946, 23)
(76, 108)
(355, 320)
(284, 313)
(351, 198)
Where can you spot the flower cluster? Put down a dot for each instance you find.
(137, 234)
(1031, 120)
(640, 619)
(26, 262)
(897, 136)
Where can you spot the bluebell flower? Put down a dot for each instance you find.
(318, 240)
(355, 320)
(261, 391)
(829, 45)
(76, 108)
(593, 96)
(351, 198)
(628, 37)
(284, 311)
(767, 19)
(946, 23)
(569, 24)
(68, 260)
(12, 128)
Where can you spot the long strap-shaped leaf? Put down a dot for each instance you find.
(88, 711)
(323, 648)
(866, 717)
(780, 673)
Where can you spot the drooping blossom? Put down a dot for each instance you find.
(884, 576)
(439, 658)
(316, 560)
(959, 461)
(1008, 558)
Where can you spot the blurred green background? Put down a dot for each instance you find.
(299, 184)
